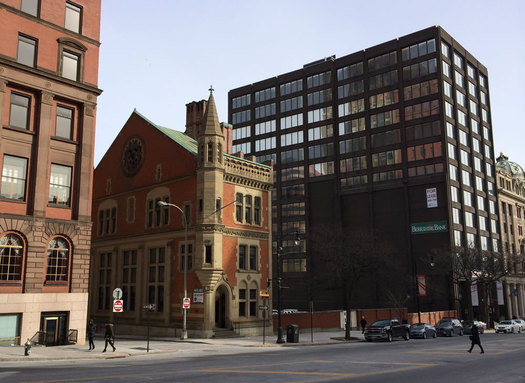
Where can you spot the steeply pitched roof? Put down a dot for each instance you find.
(182, 139)
(211, 119)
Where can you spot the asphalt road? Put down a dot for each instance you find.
(428, 361)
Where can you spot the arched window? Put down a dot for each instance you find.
(11, 253)
(57, 260)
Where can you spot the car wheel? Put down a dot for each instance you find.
(451, 333)
(460, 332)
(434, 335)
(389, 337)
(424, 335)
(407, 336)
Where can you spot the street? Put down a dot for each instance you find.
(432, 360)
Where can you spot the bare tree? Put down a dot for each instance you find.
(473, 266)
(350, 256)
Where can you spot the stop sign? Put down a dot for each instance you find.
(186, 303)
(118, 306)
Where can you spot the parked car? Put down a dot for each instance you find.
(521, 322)
(467, 326)
(507, 326)
(386, 329)
(449, 327)
(422, 330)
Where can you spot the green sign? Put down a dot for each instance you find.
(429, 227)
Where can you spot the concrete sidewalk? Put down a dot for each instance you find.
(127, 346)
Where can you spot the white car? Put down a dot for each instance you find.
(521, 323)
(507, 326)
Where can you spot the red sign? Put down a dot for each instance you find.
(118, 306)
(186, 303)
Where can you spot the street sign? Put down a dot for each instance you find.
(186, 303)
(263, 307)
(117, 293)
(149, 307)
(264, 294)
(118, 306)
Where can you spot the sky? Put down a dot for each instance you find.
(159, 55)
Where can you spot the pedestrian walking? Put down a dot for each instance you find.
(475, 339)
(91, 334)
(109, 336)
(363, 324)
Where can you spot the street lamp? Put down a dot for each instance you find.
(184, 334)
(280, 338)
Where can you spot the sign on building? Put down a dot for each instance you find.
(429, 227)
(432, 197)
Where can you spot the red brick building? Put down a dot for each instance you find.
(48, 91)
(139, 246)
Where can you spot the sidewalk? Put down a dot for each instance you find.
(127, 346)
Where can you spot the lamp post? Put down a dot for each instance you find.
(280, 338)
(184, 334)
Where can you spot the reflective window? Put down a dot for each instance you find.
(422, 89)
(19, 111)
(353, 181)
(30, 7)
(467, 198)
(291, 121)
(387, 176)
(320, 132)
(414, 71)
(458, 60)
(241, 117)
(383, 61)
(70, 65)
(352, 126)
(291, 138)
(293, 155)
(418, 50)
(265, 111)
(446, 69)
(445, 49)
(73, 17)
(319, 114)
(459, 79)
(421, 152)
(26, 51)
(57, 260)
(382, 79)
(352, 89)
(265, 94)
(14, 175)
(318, 79)
(425, 109)
(265, 144)
(60, 185)
(389, 157)
(386, 118)
(64, 122)
(348, 108)
(454, 194)
(319, 97)
(321, 169)
(384, 99)
(11, 257)
(353, 164)
(389, 137)
(291, 87)
(471, 71)
(350, 71)
(294, 103)
(239, 102)
(243, 132)
(352, 145)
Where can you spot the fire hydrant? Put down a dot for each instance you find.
(27, 348)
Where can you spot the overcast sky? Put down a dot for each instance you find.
(159, 55)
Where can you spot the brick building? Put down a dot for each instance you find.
(48, 92)
(139, 245)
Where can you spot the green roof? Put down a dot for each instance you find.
(181, 138)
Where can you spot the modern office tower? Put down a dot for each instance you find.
(48, 93)
(394, 140)
(511, 198)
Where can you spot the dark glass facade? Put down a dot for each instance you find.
(385, 139)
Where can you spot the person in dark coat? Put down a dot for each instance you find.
(109, 336)
(475, 339)
(91, 333)
(363, 324)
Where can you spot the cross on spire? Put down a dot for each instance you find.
(211, 89)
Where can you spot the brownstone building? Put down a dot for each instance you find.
(511, 196)
(138, 245)
(48, 92)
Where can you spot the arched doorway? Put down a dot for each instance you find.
(221, 307)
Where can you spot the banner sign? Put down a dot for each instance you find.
(432, 197)
(429, 227)
(421, 286)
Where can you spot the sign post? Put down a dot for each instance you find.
(186, 303)
(149, 307)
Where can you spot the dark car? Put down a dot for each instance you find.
(422, 330)
(467, 326)
(449, 327)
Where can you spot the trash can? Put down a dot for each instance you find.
(292, 333)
